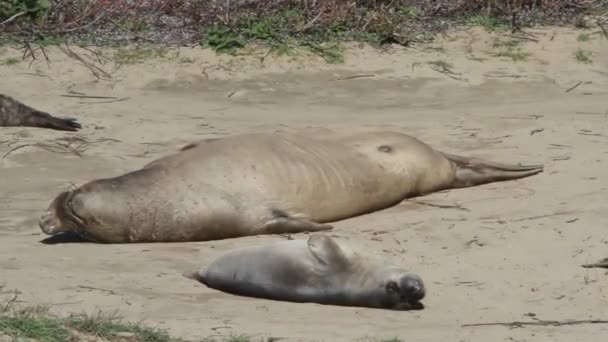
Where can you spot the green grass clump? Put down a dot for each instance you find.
(510, 49)
(583, 56)
(282, 32)
(138, 54)
(37, 323)
(490, 23)
(583, 37)
(32, 324)
(30, 9)
(10, 61)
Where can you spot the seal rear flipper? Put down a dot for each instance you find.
(475, 171)
(60, 124)
(17, 114)
(285, 225)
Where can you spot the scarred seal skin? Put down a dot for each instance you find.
(264, 183)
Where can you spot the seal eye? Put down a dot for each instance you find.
(392, 287)
(385, 149)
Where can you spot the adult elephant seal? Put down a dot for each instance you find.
(16, 114)
(260, 183)
(318, 270)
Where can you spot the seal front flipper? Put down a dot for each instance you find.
(327, 252)
(475, 171)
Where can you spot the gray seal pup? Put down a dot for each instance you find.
(16, 114)
(264, 183)
(317, 270)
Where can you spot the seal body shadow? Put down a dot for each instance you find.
(260, 183)
(15, 113)
(317, 270)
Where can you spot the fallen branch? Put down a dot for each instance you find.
(97, 72)
(539, 216)
(601, 26)
(574, 87)
(57, 146)
(353, 77)
(97, 289)
(446, 71)
(520, 324)
(504, 76)
(9, 20)
(91, 97)
(108, 101)
(442, 206)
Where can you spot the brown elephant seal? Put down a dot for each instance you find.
(16, 114)
(317, 270)
(264, 183)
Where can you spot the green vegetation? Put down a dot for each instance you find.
(37, 323)
(138, 54)
(282, 26)
(490, 23)
(285, 31)
(33, 10)
(10, 61)
(583, 56)
(583, 37)
(510, 49)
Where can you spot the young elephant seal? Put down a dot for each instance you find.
(317, 270)
(260, 183)
(15, 113)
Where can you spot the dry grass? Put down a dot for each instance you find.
(189, 21)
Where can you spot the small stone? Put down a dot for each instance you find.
(5, 338)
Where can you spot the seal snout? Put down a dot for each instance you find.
(50, 221)
(47, 223)
(412, 289)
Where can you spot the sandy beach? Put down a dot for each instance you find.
(507, 251)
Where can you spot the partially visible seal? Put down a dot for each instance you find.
(318, 270)
(15, 113)
(264, 183)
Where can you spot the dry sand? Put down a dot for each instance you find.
(500, 252)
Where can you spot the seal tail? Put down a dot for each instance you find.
(475, 171)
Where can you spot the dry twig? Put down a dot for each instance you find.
(353, 77)
(90, 96)
(520, 324)
(601, 26)
(97, 72)
(574, 87)
(442, 206)
(12, 18)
